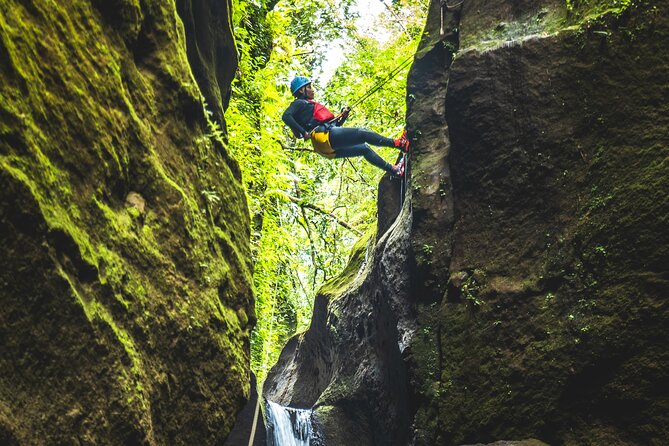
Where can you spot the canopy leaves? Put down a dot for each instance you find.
(307, 211)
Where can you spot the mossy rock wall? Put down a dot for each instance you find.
(211, 49)
(348, 365)
(543, 294)
(125, 270)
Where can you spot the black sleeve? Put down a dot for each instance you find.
(289, 117)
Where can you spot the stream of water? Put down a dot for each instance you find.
(287, 426)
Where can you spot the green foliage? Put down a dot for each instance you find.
(296, 246)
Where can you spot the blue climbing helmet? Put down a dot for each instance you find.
(297, 83)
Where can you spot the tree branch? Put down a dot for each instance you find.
(319, 209)
(295, 149)
(309, 236)
(359, 174)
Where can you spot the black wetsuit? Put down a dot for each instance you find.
(299, 116)
(346, 142)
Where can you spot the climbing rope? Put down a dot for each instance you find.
(446, 7)
(405, 177)
(252, 436)
(376, 87)
(383, 81)
(405, 158)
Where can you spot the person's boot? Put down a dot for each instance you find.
(398, 169)
(402, 143)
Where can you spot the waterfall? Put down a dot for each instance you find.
(287, 426)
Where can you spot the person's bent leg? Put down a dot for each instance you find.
(348, 136)
(375, 139)
(365, 151)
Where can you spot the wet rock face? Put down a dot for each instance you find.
(211, 49)
(348, 366)
(124, 292)
(521, 292)
(554, 314)
(529, 442)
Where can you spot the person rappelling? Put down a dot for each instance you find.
(310, 120)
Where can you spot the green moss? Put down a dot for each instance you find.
(355, 270)
(133, 378)
(84, 119)
(550, 20)
(338, 390)
(546, 21)
(130, 379)
(59, 216)
(583, 10)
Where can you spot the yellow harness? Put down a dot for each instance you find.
(321, 143)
